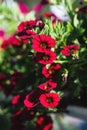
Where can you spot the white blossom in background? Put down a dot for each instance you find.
(60, 12)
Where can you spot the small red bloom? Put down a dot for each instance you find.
(46, 57)
(18, 99)
(43, 42)
(51, 71)
(48, 85)
(27, 25)
(44, 122)
(15, 99)
(49, 100)
(32, 99)
(69, 50)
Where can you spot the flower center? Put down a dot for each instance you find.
(71, 50)
(43, 44)
(51, 71)
(46, 57)
(49, 99)
(46, 86)
(32, 113)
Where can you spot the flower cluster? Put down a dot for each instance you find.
(41, 62)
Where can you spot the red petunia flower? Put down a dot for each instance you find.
(52, 71)
(44, 122)
(43, 42)
(46, 57)
(48, 85)
(49, 100)
(69, 50)
(27, 25)
(32, 99)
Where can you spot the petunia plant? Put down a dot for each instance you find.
(40, 64)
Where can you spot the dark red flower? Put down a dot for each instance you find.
(48, 85)
(48, 14)
(26, 34)
(44, 122)
(69, 49)
(23, 115)
(44, 2)
(51, 16)
(49, 100)
(23, 8)
(42, 43)
(82, 10)
(27, 25)
(41, 25)
(28, 114)
(32, 99)
(46, 57)
(52, 71)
